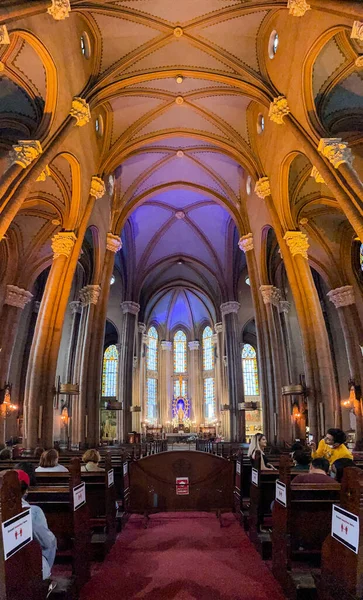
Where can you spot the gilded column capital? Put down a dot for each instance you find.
(89, 294)
(297, 243)
(60, 9)
(98, 188)
(297, 8)
(130, 307)
(75, 307)
(80, 111)
(336, 151)
(228, 308)
(342, 296)
(284, 306)
(270, 295)
(4, 36)
(246, 242)
(357, 31)
(194, 345)
(113, 242)
(44, 174)
(63, 243)
(141, 327)
(25, 151)
(359, 62)
(218, 327)
(262, 187)
(315, 173)
(278, 110)
(16, 296)
(167, 346)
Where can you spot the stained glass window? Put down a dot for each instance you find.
(208, 355)
(152, 350)
(361, 257)
(152, 392)
(209, 397)
(177, 393)
(249, 366)
(180, 352)
(110, 371)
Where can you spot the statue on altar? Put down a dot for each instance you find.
(181, 410)
(181, 413)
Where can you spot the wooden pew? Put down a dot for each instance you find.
(56, 494)
(21, 574)
(262, 494)
(341, 568)
(298, 532)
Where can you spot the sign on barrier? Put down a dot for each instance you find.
(280, 492)
(125, 468)
(345, 528)
(79, 496)
(182, 486)
(254, 477)
(17, 533)
(110, 478)
(238, 467)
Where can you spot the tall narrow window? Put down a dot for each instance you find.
(110, 371)
(361, 257)
(151, 381)
(152, 391)
(180, 352)
(209, 397)
(180, 392)
(152, 351)
(249, 367)
(208, 356)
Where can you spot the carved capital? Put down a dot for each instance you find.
(297, 243)
(262, 187)
(17, 297)
(97, 188)
(89, 294)
(80, 111)
(25, 151)
(297, 8)
(343, 296)
(75, 307)
(278, 110)
(145, 339)
(315, 173)
(359, 62)
(270, 295)
(130, 307)
(194, 345)
(230, 307)
(63, 243)
(141, 327)
(246, 242)
(44, 174)
(167, 346)
(113, 242)
(284, 306)
(218, 327)
(357, 31)
(4, 36)
(336, 151)
(60, 9)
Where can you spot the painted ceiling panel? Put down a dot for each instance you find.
(120, 37)
(179, 198)
(50, 187)
(328, 61)
(237, 36)
(225, 167)
(28, 62)
(128, 109)
(14, 100)
(346, 96)
(29, 227)
(134, 166)
(198, 308)
(232, 109)
(179, 142)
(146, 222)
(189, 84)
(177, 12)
(180, 313)
(212, 220)
(161, 309)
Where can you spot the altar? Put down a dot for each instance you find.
(176, 438)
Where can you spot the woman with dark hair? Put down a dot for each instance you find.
(338, 466)
(49, 463)
(332, 447)
(29, 469)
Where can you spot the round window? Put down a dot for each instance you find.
(260, 123)
(85, 45)
(99, 126)
(248, 185)
(273, 44)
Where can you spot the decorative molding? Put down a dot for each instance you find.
(194, 345)
(179, 100)
(75, 307)
(180, 153)
(315, 173)
(80, 111)
(130, 307)
(218, 327)
(359, 62)
(336, 151)
(135, 408)
(357, 31)
(25, 151)
(60, 9)
(4, 36)
(178, 32)
(89, 294)
(113, 242)
(145, 339)
(270, 295)
(342, 296)
(44, 174)
(284, 306)
(297, 243)
(16, 296)
(97, 188)
(180, 214)
(63, 243)
(167, 346)
(278, 110)
(224, 407)
(229, 308)
(262, 187)
(297, 8)
(246, 242)
(141, 327)
(2, 66)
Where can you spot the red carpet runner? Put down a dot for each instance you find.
(183, 556)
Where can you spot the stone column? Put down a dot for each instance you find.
(229, 312)
(130, 310)
(344, 301)
(166, 382)
(195, 383)
(139, 378)
(76, 310)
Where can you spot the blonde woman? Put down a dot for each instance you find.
(91, 458)
(257, 448)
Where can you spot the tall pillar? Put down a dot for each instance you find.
(139, 378)
(344, 301)
(72, 376)
(221, 382)
(229, 312)
(195, 382)
(130, 310)
(166, 382)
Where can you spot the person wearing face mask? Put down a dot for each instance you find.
(332, 446)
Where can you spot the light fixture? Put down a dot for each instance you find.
(247, 281)
(179, 262)
(112, 280)
(179, 78)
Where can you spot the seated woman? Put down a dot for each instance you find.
(332, 447)
(49, 463)
(256, 449)
(91, 458)
(338, 466)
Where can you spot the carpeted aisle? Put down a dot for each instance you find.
(183, 556)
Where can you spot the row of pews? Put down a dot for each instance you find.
(291, 526)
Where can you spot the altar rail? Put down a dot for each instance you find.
(225, 449)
